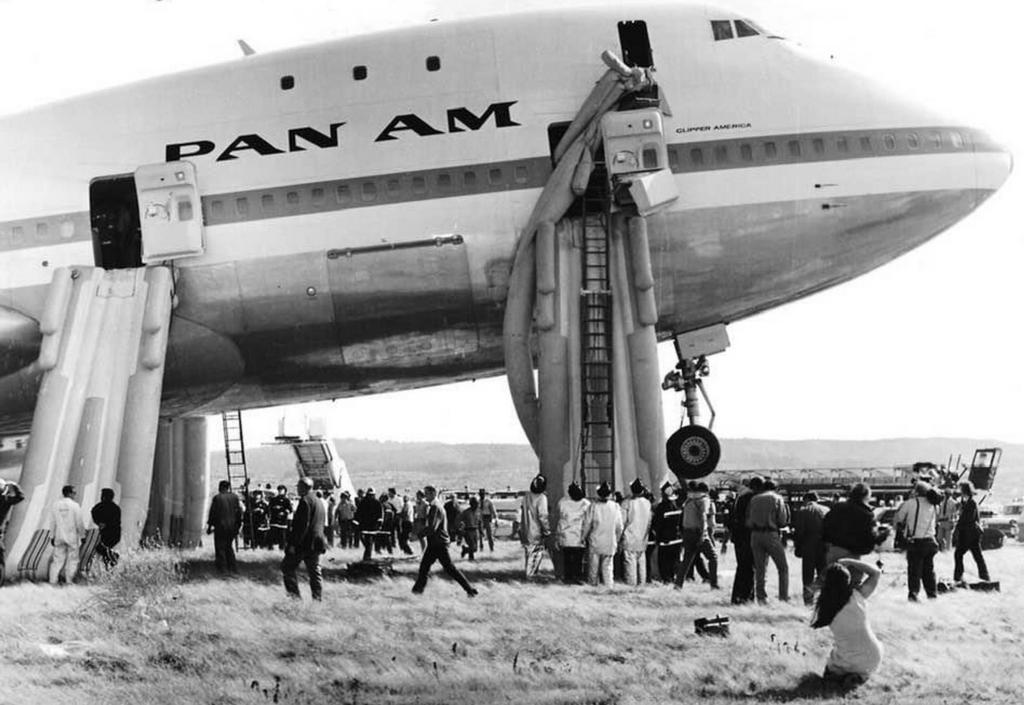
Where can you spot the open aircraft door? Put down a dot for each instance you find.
(170, 211)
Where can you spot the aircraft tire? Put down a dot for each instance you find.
(692, 452)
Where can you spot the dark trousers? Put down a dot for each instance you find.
(437, 551)
(472, 539)
(697, 543)
(368, 541)
(920, 566)
(958, 559)
(572, 564)
(278, 534)
(487, 533)
(812, 569)
(329, 535)
(291, 580)
(224, 551)
(347, 534)
(108, 554)
(668, 557)
(404, 529)
(743, 582)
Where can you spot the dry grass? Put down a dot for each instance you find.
(154, 633)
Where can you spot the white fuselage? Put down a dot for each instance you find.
(793, 175)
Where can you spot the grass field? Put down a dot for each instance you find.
(152, 633)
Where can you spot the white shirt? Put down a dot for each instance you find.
(571, 514)
(66, 522)
(535, 519)
(636, 520)
(603, 527)
(918, 515)
(857, 649)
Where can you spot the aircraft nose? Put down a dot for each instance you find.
(993, 163)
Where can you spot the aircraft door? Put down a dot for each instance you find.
(170, 211)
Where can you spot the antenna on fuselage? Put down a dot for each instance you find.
(246, 49)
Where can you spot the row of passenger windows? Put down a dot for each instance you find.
(377, 190)
(770, 150)
(360, 72)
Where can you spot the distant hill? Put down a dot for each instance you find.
(382, 464)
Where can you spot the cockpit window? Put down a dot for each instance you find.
(722, 29)
(745, 29)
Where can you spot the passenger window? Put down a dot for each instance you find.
(287, 83)
(745, 30)
(394, 186)
(494, 176)
(444, 182)
(697, 156)
(794, 148)
(469, 179)
(242, 206)
(317, 196)
(217, 208)
(746, 153)
(344, 194)
(842, 146)
(956, 140)
(419, 184)
(521, 175)
(673, 157)
(865, 144)
(267, 202)
(292, 197)
(17, 234)
(890, 142)
(770, 151)
(722, 29)
(369, 191)
(819, 145)
(42, 230)
(721, 154)
(935, 140)
(649, 157)
(912, 140)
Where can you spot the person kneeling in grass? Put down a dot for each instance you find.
(842, 607)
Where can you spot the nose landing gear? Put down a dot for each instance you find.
(693, 451)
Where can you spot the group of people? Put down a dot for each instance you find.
(613, 532)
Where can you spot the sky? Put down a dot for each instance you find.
(929, 345)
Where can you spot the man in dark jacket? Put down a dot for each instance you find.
(849, 527)
(667, 528)
(279, 510)
(739, 533)
(369, 517)
(809, 542)
(224, 521)
(437, 546)
(107, 516)
(10, 494)
(305, 542)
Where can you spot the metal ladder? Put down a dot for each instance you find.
(234, 451)
(597, 434)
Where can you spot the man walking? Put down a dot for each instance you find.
(487, 515)
(66, 533)
(698, 518)
(107, 516)
(436, 534)
(305, 542)
(224, 521)
(766, 517)
(809, 543)
(636, 524)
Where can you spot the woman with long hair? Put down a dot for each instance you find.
(967, 536)
(842, 607)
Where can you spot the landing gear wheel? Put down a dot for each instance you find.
(692, 452)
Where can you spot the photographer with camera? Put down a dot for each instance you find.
(849, 527)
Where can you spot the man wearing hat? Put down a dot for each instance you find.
(534, 528)
(603, 531)
(369, 517)
(667, 526)
(280, 509)
(572, 511)
(305, 542)
(636, 524)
